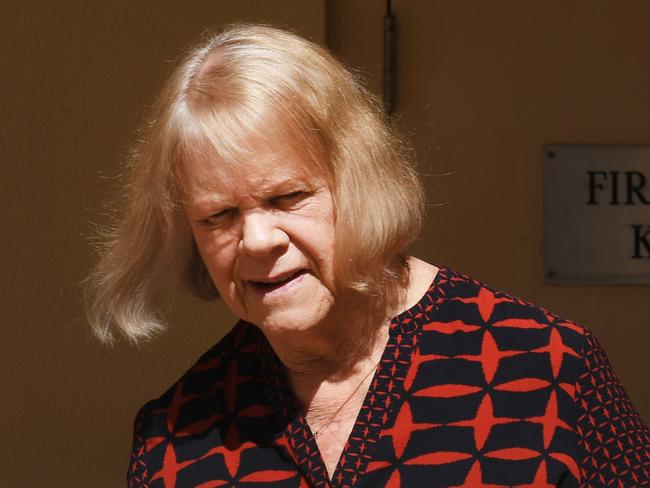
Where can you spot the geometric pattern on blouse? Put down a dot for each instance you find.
(475, 388)
(614, 437)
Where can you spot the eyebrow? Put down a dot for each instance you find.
(208, 201)
(284, 185)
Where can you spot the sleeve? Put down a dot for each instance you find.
(614, 438)
(137, 473)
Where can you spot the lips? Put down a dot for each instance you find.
(272, 284)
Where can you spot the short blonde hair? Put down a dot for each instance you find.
(253, 81)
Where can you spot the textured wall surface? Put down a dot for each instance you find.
(481, 87)
(77, 78)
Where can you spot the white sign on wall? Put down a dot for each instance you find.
(596, 222)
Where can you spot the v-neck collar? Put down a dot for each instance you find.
(385, 393)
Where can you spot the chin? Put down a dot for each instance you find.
(304, 308)
(289, 322)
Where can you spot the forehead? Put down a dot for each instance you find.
(208, 176)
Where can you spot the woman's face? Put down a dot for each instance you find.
(265, 231)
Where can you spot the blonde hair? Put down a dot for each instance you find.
(258, 82)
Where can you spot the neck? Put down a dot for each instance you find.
(335, 354)
(331, 359)
(324, 385)
(334, 349)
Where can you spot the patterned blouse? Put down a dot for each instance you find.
(475, 388)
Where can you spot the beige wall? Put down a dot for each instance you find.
(482, 86)
(76, 79)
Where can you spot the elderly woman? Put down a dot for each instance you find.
(268, 174)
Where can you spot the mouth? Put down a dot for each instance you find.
(273, 284)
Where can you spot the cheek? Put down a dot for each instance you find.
(218, 256)
(319, 240)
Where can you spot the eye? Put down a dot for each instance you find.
(219, 218)
(288, 199)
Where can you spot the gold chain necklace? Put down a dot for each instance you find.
(331, 418)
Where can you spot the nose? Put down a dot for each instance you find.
(261, 234)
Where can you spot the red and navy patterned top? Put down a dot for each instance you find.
(475, 388)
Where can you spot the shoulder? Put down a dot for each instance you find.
(472, 317)
(208, 373)
(196, 400)
(528, 380)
